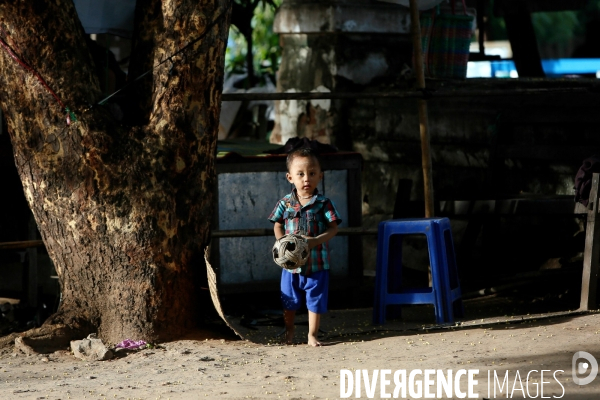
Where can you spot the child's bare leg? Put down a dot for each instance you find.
(314, 320)
(288, 319)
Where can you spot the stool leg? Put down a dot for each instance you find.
(454, 293)
(381, 275)
(437, 274)
(394, 274)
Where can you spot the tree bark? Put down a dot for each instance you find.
(124, 211)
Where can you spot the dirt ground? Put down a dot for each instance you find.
(216, 364)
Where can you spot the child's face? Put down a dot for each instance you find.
(305, 173)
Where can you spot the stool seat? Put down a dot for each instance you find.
(444, 293)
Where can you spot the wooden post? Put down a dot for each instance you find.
(591, 254)
(415, 27)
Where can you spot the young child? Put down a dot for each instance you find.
(307, 213)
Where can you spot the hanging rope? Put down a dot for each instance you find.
(70, 115)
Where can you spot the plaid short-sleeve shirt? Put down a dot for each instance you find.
(312, 219)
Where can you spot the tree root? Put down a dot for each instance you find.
(43, 340)
(8, 340)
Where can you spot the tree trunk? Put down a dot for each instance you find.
(124, 211)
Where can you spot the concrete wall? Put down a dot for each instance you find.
(334, 46)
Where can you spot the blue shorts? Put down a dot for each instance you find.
(295, 288)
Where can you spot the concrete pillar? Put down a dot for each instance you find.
(336, 45)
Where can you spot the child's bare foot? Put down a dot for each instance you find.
(312, 341)
(289, 337)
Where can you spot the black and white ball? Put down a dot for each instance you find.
(290, 251)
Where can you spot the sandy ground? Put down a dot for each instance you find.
(209, 365)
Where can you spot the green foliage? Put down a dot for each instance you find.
(496, 28)
(555, 29)
(266, 50)
(235, 54)
(589, 14)
(266, 43)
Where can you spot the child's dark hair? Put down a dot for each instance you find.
(303, 152)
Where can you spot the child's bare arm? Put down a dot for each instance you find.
(332, 230)
(278, 230)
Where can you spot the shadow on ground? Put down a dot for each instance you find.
(543, 298)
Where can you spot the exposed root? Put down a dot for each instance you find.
(8, 340)
(43, 340)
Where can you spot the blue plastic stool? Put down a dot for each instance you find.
(444, 293)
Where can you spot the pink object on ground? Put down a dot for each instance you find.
(131, 344)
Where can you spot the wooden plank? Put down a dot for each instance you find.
(591, 254)
(415, 29)
(534, 205)
(331, 161)
(21, 245)
(560, 205)
(541, 5)
(546, 152)
(353, 231)
(403, 94)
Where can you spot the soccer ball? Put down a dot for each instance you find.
(290, 251)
